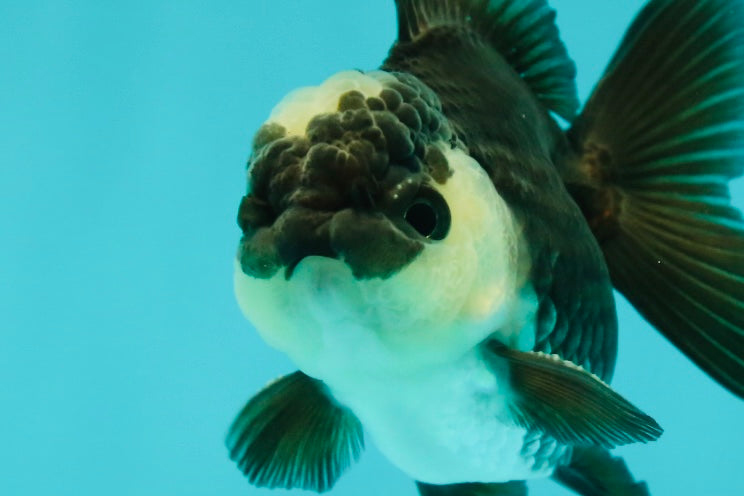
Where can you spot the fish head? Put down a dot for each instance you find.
(370, 236)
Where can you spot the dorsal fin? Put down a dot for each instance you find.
(522, 31)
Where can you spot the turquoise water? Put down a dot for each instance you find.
(123, 357)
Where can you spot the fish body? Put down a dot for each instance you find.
(437, 256)
(361, 336)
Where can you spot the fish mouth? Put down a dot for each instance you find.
(290, 268)
(289, 271)
(367, 241)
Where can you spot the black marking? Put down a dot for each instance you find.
(370, 244)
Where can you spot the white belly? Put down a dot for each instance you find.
(443, 426)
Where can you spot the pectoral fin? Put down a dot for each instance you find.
(293, 434)
(575, 407)
(513, 488)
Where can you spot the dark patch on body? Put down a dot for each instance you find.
(360, 237)
(343, 189)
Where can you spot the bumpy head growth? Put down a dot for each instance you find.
(367, 224)
(344, 171)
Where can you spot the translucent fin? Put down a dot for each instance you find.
(522, 31)
(595, 472)
(565, 401)
(293, 435)
(513, 488)
(658, 141)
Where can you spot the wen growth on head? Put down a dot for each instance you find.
(437, 256)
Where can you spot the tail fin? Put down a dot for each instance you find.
(658, 141)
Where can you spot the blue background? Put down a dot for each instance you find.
(124, 131)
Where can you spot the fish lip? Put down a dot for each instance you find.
(290, 269)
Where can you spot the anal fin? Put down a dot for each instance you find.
(565, 401)
(292, 434)
(595, 472)
(512, 488)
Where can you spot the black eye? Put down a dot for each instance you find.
(429, 214)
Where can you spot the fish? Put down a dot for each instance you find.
(435, 244)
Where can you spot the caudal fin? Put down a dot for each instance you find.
(656, 145)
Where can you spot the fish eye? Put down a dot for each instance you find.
(429, 214)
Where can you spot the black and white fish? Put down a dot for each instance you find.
(437, 255)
